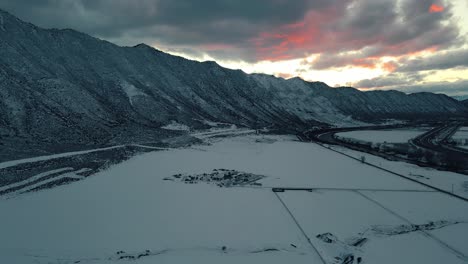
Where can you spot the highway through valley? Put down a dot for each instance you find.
(437, 140)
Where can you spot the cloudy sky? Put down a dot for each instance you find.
(410, 45)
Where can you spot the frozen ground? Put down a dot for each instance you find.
(176, 126)
(461, 136)
(462, 133)
(445, 180)
(381, 136)
(129, 212)
(350, 216)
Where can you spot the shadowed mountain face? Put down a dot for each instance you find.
(61, 89)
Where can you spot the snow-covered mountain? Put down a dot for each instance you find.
(63, 88)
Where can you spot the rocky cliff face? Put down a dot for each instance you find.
(65, 89)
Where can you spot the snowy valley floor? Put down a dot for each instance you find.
(138, 212)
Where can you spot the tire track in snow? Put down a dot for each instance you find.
(427, 234)
(392, 172)
(69, 175)
(300, 227)
(34, 178)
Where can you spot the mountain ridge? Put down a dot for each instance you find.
(461, 97)
(62, 89)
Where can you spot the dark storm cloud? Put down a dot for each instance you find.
(364, 58)
(256, 30)
(112, 18)
(402, 26)
(392, 79)
(412, 82)
(377, 28)
(458, 88)
(368, 17)
(168, 22)
(439, 61)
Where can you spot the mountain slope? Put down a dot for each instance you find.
(64, 89)
(461, 97)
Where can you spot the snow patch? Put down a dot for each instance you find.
(131, 91)
(176, 126)
(34, 178)
(461, 137)
(70, 175)
(213, 124)
(213, 133)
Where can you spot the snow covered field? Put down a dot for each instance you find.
(461, 136)
(445, 180)
(350, 216)
(462, 133)
(130, 212)
(381, 136)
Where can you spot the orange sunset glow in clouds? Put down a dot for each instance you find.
(436, 8)
(360, 45)
(407, 45)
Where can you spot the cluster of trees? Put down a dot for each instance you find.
(448, 160)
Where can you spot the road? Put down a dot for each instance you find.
(437, 140)
(434, 146)
(326, 136)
